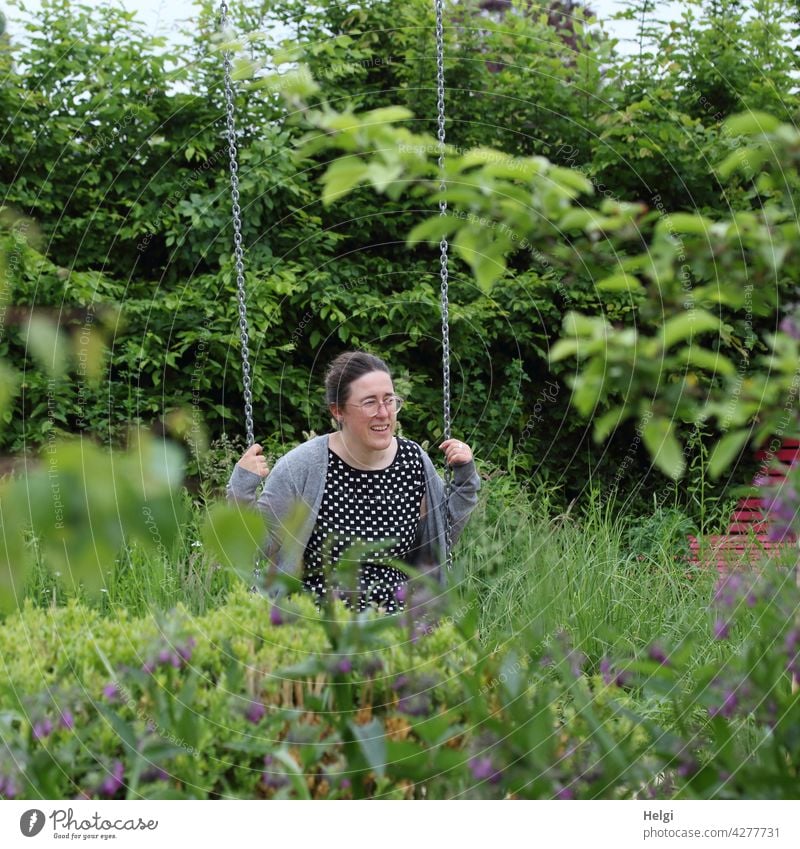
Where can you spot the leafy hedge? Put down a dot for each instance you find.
(200, 699)
(129, 182)
(253, 700)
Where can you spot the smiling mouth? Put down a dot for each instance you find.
(380, 428)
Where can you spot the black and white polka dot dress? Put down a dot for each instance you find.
(360, 506)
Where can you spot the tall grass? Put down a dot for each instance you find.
(614, 583)
(144, 582)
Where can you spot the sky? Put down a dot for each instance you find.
(162, 16)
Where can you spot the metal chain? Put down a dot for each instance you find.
(443, 271)
(238, 251)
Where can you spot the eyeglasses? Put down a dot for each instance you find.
(370, 408)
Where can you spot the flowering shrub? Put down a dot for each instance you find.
(242, 703)
(735, 722)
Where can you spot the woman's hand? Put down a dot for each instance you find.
(456, 453)
(253, 460)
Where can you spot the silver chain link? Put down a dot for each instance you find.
(443, 271)
(238, 251)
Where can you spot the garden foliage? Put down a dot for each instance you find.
(127, 191)
(258, 702)
(658, 304)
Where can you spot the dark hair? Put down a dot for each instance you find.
(346, 368)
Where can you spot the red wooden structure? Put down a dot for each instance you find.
(747, 538)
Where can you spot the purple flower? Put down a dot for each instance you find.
(416, 704)
(421, 629)
(790, 327)
(576, 660)
(67, 721)
(345, 784)
(8, 790)
(778, 532)
(399, 683)
(149, 668)
(728, 706)
(721, 630)
(565, 793)
(111, 692)
(401, 593)
(185, 651)
(42, 729)
(344, 666)
(610, 676)
(483, 769)
(275, 780)
(275, 616)
(727, 590)
(255, 712)
(688, 767)
(372, 666)
(657, 653)
(155, 773)
(791, 645)
(771, 713)
(112, 783)
(164, 656)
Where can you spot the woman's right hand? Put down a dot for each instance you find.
(253, 460)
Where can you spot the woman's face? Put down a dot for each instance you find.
(374, 432)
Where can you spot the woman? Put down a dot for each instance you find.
(361, 484)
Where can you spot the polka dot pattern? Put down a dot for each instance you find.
(360, 506)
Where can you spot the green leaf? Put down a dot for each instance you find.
(381, 175)
(577, 219)
(387, 115)
(688, 324)
(609, 422)
(478, 156)
(244, 68)
(750, 123)
(293, 772)
(342, 177)
(726, 451)
(234, 534)
(709, 360)
(744, 159)
(124, 730)
(46, 344)
(469, 244)
(433, 229)
(519, 169)
(9, 386)
(570, 179)
(298, 83)
(659, 437)
(564, 348)
(371, 739)
(487, 271)
(620, 283)
(685, 223)
(577, 324)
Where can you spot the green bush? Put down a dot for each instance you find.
(129, 178)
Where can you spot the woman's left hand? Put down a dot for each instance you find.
(456, 453)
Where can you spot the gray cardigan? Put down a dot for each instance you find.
(299, 477)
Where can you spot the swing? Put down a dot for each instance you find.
(241, 292)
